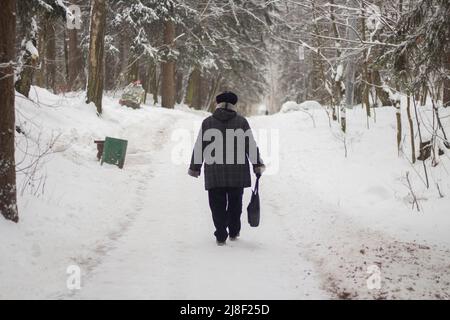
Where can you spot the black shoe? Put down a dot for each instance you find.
(221, 243)
(235, 237)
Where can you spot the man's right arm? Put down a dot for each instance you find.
(252, 151)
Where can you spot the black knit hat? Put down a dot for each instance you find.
(228, 97)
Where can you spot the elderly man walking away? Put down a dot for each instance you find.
(226, 146)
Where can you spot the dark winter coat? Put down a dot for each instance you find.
(224, 174)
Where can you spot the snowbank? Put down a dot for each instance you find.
(370, 183)
(291, 106)
(355, 212)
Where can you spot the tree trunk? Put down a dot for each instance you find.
(193, 93)
(152, 85)
(350, 84)
(124, 57)
(75, 65)
(411, 130)
(75, 62)
(42, 44)
(351, 68)
(424, 96)
(446, 89)
(8, 193)
(190, 88)
(381, 93)
(50, 59)
(338, 86)
(213, 91)
(398, 114)
(197, 99)
(96, 54)
(66, 61)
(365, 73)
(158, 86)
(179, 87)
(319, 62)
(168, 67)
(110, 72)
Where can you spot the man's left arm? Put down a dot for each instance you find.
(197, 156)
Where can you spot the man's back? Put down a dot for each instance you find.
(225, 144)
(229, 172)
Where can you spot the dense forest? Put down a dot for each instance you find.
(340, 53)
(189, 50)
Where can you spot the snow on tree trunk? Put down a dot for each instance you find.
(96, 54)
(338, 84)
(29, 55)
(168, 67)
(365, 73)
(351, 67)
(8, 194)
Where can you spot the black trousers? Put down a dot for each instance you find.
(226, 208)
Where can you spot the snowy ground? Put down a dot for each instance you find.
(145, 231)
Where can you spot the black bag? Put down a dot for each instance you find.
(253, 209)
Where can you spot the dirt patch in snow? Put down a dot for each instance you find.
(407, 270)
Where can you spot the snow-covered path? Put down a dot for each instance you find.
(169, 252)
(146, 231)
